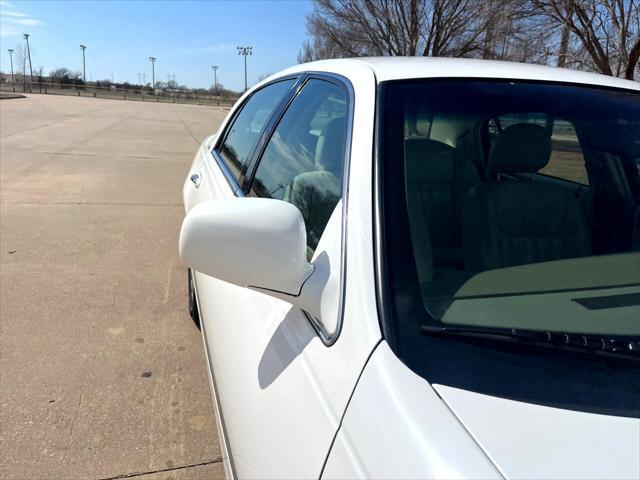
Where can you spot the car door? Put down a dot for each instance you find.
(282, 381)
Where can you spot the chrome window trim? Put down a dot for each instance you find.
(330, 338)
(380, 261)
(231, 180)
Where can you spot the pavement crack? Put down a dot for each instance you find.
(55, 121)
(186, 127)
(76, 415)
(168, 287)
(162, 470)
(97, 155)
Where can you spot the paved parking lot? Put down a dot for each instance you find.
(102, 372)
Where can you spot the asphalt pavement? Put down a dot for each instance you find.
(102, 372)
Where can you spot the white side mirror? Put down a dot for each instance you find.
(250, 242)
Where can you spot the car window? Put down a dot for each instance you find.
(303, 161)
(248, 125)
(511, 227)
(494, 273)
(566, 161)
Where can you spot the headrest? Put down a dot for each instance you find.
(429, 161)
(329, 152)
(520, 148)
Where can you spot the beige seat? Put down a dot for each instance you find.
(509, 221)
(316, 193)
(437, 179)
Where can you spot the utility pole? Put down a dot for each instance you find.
(13, 80)
(153, 73)
(84, 71)
(26, 37)
(215, 79)
(24, 73)
(244, 51)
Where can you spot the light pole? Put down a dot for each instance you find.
(215, 79)
(26, 37)
(244, 51)
(84, 71)
(153, 73)
(13, 80)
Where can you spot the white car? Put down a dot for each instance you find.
(422, 268)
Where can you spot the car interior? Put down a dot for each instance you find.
(509, 190)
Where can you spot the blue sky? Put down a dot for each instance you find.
(187, 37)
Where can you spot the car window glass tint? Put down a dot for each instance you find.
(501, 235)
(303, 161)
(249, 125)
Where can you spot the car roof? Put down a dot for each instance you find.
(400, 68)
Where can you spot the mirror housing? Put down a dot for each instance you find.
(257, 243)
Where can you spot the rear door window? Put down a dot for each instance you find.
(249, 124)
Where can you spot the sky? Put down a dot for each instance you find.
(186, 37)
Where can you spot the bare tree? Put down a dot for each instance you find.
(605, 33)
(20, 55)
(600, 35)
(318, 48)
(513, 32)
(493, 29)
(395, 27)
(38, 73)
(263, 76)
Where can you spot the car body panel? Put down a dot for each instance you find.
(401, 68)
(263, 351)
(537, 441)
(222, 435)
(398, 427)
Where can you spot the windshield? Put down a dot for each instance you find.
(510, 206)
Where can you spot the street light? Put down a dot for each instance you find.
(13, 80)
(215, 79)
(84, 71)
(244, 51)
(153, 73)
(26, 37)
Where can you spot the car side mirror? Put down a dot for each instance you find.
(257, 243)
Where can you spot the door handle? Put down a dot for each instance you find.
(196, 179)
